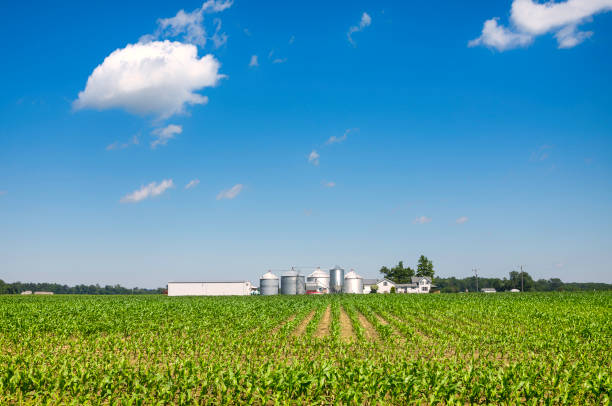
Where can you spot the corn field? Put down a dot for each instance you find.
(352, 349)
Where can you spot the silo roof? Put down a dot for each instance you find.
(318, 273)
(268, 275)
(291, 273)
(352, 275)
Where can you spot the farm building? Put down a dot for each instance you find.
(239, 288)
(420, 284)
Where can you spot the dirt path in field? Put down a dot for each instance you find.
(381, 320)
(346, 329)
(279, 326)
(301, 328)
(323, 327)
(370, 332)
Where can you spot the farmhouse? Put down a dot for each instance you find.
(239, 288)
(420, 284)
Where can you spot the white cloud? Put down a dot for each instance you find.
(153, 78)
(529, 19)
(192, 183)
(336, 140)
(230, 193)
(254, 61)
(313, 158)
(422, 220)
(150, 190)
(366, 20)
(279, 60)
(292, 39)
(164, 134)
(499, 37)
(329, 184)
(2, 192)
(190, 26)
(123, 145)
(462, 220)
(559, 265)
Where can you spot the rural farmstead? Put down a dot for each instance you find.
(550, 348)
(292, 282)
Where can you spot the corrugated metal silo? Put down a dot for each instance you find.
(289, 283)
(300, 285)
(353, 283)
(268, 284)
(336, 279)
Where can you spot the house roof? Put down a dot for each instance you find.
(417, 279)
(368, 282)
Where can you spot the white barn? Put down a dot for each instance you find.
(239, 288)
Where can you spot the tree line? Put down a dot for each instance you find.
(403, 274)
(18, 287)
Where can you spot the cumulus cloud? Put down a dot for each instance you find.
(150, 190)
(230, 193)
(422, 220)
(462, 220)
(192, 183)
(365, 21)
(254, 61)
(313, 158)
(159, 77)
(135, 140)
(190, 26)
(499, 37)
(329, 184)
(165, 134)
(529, 19)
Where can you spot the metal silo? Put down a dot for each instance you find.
(353, 283)
(289, 283)
(319, 278)
(336, 279)
(300, 285)
(268, 284)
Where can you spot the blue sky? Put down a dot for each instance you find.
(480, 136)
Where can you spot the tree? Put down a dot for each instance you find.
(398, 274)
(374, 289)
(425, 267)
(392, 290)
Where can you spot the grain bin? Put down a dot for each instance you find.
(320, 278)
(300, 285)
(289, 282)
(336, 279)
(353, 283)
(268, 284)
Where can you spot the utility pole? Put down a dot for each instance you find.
(476, 273)
(522, 289)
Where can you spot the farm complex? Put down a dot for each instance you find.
(540, 348)
(292, 282)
